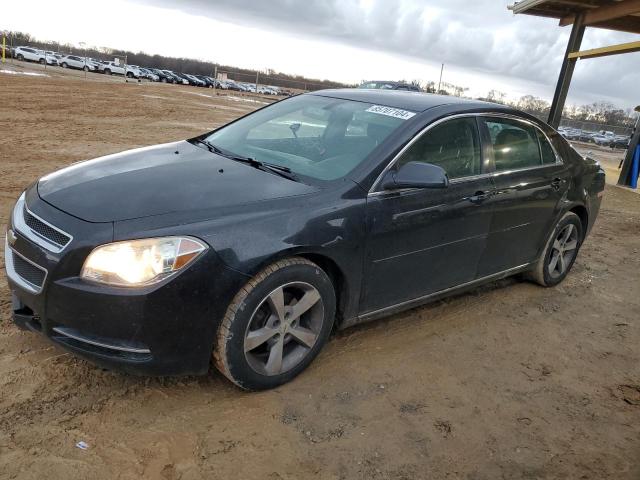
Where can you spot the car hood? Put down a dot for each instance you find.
(161, 179)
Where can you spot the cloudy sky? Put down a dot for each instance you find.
(483, 45)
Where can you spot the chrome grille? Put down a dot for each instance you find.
(48, 232)
(22, 271)
(38, 230)
(28, 272)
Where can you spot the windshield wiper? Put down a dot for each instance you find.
(267, 167)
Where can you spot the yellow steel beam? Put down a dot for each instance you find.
(606, 51)
(607, 12)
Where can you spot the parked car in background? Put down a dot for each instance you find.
(209, 82)
(195, 81)
(386, 85)
(603, 138)
(30, 54)
(78, 63)
(51, 57)
(586, 136)
(234, 86)
(621, 141)
(111, 68)
(145, 73)
(177, 77)
(163, 76)
(280, 237)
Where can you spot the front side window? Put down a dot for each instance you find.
(453, 145)
(515, 144)
(317, 137)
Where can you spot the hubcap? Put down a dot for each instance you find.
(284, 328)
(563, 251)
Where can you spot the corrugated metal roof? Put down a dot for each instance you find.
(621, 15)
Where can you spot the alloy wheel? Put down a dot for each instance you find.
(284, 328)
(563, 251)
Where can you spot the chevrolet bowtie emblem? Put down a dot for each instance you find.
(11, 237)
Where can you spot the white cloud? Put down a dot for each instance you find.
(483, 45)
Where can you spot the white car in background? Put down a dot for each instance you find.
(79, 63)
(111, 68)
(30, 54)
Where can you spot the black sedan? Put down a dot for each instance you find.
(250, 244)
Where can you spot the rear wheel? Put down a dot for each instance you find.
(42, 61)
(107, 71)
(64, 65)
(560, 252)
(276, 325)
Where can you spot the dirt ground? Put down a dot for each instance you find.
(508, 381)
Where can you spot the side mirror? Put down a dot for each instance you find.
(416, 175)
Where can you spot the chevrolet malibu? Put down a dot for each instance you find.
(246, 246)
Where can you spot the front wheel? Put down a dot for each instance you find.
(42, 61)
(20, 57)
(107, 71)
(560, 252)
(276, 325)
(85, 68)
(64, 65)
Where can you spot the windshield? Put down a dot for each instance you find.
(378, 85)
(317, 137)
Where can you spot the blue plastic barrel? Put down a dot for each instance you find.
(635, 168)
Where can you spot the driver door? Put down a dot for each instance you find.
(422, 241)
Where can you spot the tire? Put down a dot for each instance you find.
(554, 265)
(107, 71)
(163, 80)
(244, 355)
(20, 57)
(42, 61)
(64, 65)
(85, 68)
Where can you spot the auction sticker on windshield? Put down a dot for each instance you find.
(391, 112)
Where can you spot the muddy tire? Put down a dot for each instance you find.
(560, 252)
(275, 325)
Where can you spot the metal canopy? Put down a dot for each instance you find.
(620, 15)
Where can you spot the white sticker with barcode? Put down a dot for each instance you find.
(391, 112)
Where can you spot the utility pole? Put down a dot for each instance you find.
(440, 82)
(257, 79)
(215, 77)
(4, 45)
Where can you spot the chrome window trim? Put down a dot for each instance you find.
(21, 226)
(15, 277)
(373, 191)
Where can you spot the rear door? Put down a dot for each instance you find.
(529, 182)
(422, 241)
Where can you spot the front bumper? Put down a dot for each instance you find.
(166, 329)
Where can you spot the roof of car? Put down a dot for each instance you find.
(414, 101)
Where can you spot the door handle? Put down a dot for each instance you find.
(556, 183)
(478, 197)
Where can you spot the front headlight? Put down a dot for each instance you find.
(136, 263)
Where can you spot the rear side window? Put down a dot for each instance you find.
(453, 145)
(548, 154)
(515, 144)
